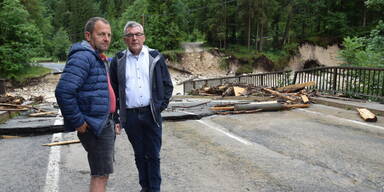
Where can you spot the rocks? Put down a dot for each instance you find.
(42, 92)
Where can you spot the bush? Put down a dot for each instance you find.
(20, 40)
(365, 51)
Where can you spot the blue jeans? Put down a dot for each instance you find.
(145, 137)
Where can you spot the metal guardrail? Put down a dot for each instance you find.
(350, 81)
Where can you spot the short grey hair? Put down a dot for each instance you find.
(132, 24)
(90, 25)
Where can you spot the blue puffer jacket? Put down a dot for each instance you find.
(82, 92)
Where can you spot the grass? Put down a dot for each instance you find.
(173, 55)
(31, 72)
(42, 59)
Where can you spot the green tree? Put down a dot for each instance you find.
(19, 40)
(42, 19)
(60, 45)
(163, 22)
(365, 51)
(73, 14)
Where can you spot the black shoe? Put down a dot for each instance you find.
(144, 190)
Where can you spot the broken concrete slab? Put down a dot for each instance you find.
(31, 126)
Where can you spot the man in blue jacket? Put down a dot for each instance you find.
(143, 87)
(87, 101)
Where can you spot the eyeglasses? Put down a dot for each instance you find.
(133, 34)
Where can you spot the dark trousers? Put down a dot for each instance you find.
(145, 137)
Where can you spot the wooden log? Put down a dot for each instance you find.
(291, 106)
(43, 114)
(228, 108)
(9, 109)
(237, 112)
(222, 88)
(264, 106)
(228, 92)
(295, 87)
(304, 98)
(367, 115)
(8, 136)
(279, 94)
(62, 143)
(239, 91)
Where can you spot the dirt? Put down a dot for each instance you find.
(321, 56)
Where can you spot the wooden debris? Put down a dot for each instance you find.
(190, 106)
(229, 108)
(238, 112)
(228, 92)
(13, 107)
(279, 94)
(291, 106)
(239, 91)
(62, 143)
(295, 87)
(265, 106)
(11, 99)
(8, 136)
(367, 115)
(304, 98)
(43, 114)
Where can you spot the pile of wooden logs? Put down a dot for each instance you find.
(288, 97)
(18, 104)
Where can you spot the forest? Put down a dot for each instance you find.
(47, 28)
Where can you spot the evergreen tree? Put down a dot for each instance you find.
(42, 19)
(60, 45)
(19, 40)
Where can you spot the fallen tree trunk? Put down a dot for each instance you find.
(295, 87)
(228, 108)
(237, 112)
(263, 106)
(367, 115)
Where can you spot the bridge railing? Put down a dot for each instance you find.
(350, 81)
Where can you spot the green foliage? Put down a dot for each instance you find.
(60, 45)
(365, 51)
(280, 59)
(39, 17)
(244, 69)
(30, 71)
(223, 64)
(173, 55)
(72, 16)
(162, 22)
(196, 35)
(20, 40)
(291, 48)
(375, 3)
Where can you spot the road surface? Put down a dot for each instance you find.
(320, 149)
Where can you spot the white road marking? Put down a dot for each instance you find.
(339, 118)
(217, 128)
(53, 170)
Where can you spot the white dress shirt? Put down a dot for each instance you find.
(137, 79)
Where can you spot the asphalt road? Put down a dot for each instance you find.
(315, 149)
(56, 67)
